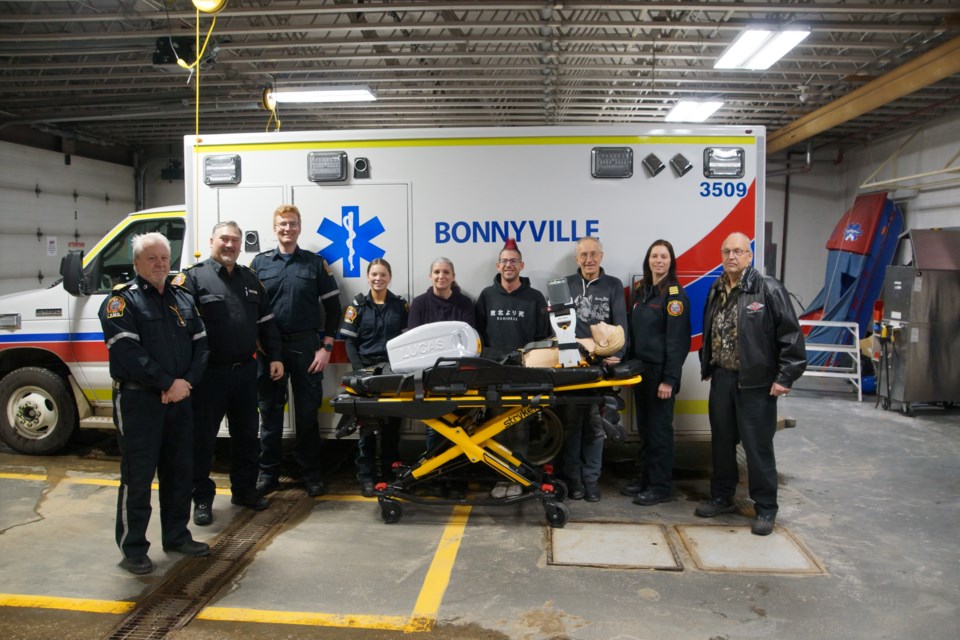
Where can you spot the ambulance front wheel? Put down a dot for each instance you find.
(390, 511)
(37, 413)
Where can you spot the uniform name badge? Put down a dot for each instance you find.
(115, 307)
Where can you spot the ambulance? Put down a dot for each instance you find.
(408, 196)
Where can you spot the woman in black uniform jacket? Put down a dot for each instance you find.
(660, 337)
(368, 323)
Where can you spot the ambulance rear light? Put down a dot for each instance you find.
(724, 162)
(221, 169)
(327, 166)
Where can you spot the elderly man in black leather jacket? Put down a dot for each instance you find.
(753, 351)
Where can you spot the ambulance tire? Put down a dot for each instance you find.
(37, 412)
(546, 437)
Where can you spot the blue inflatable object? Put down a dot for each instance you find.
(860, 249)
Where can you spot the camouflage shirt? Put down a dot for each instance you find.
(724, 343)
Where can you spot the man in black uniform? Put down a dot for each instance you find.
(158, 350)
(753, 351)
(236, 313)
(305, 300)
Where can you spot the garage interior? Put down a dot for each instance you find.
(93, 110)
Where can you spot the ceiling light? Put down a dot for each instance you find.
(272, 97)
(691, 111)
(209, 6)
(758, 49)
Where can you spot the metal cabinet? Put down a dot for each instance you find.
(921, 308)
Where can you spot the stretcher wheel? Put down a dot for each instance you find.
(557, 514)
(560, 489)
(390, 511)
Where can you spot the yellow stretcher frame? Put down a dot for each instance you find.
(478, 445)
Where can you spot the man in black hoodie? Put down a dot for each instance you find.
(509, 312)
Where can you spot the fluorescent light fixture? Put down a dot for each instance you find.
(758, 49)
(285, 95)
(692, 111)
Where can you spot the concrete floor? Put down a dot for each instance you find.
(872, 495)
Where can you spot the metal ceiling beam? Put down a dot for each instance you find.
(931, 67)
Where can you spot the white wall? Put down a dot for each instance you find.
(54, 212)
(818, 198)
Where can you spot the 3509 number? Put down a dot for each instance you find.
(723, 189)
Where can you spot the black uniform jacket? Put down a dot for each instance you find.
(367, 327)
(660, 329)
(303, 293)
(769, 339)
(235, 310)
(154, 338)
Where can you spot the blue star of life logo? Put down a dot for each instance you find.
(350, 241)
(852, 232)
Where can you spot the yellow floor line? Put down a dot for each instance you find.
(228, 614)
(438, 576)
(68, 604)
(23, 476)
(425, 609)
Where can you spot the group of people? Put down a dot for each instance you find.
(219, 339)
(222, 339)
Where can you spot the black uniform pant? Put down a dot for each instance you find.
(655, 426)
(155, 439)
(231, 392)
(389, 451)
(307, 396)
(748, 416)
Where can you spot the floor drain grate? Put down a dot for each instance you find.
(184, 592)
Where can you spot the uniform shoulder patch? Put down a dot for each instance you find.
(675, 307)
(350, 314)
(326, 267)
(179, 280)
(674, 290)
(115, 307)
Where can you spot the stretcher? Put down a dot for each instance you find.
(469, 401)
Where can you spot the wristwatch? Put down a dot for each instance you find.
(328, 346)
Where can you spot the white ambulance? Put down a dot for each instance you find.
(409, 196)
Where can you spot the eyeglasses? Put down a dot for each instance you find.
(736, 252)
(287, 225)
(509, 262)
(590, 255)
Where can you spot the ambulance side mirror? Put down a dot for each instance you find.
(71, 268)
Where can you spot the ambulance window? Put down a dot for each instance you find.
(114, 265)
